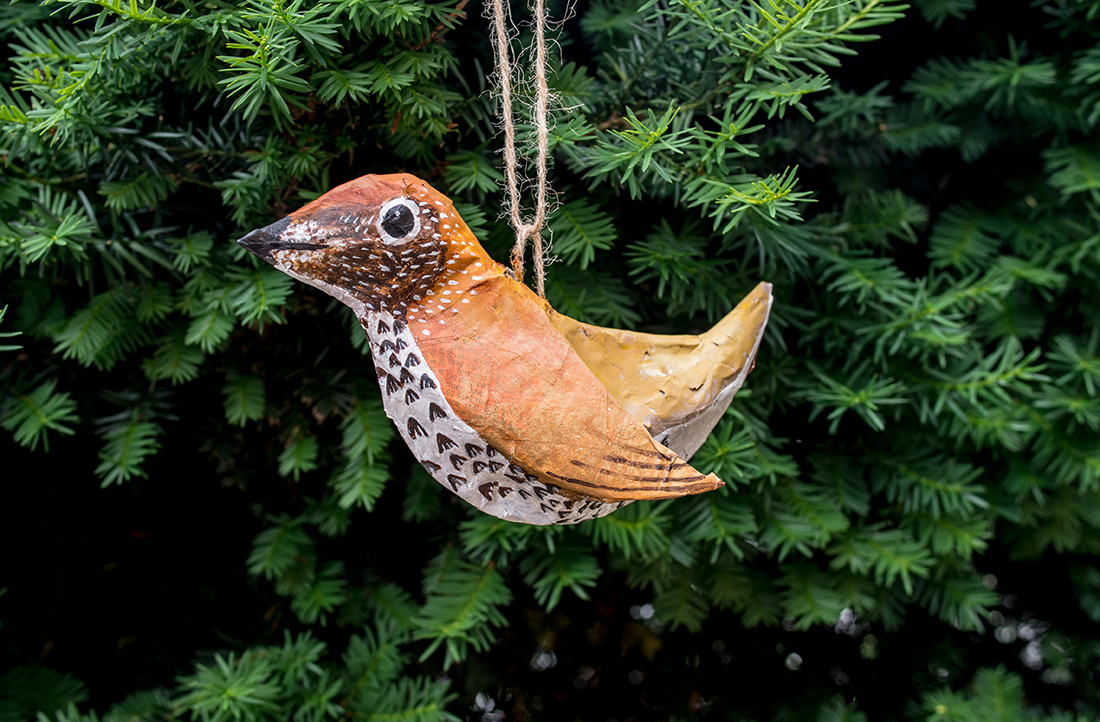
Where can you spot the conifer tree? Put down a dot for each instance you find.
(925, 406)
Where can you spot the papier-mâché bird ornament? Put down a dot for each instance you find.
(527, 414)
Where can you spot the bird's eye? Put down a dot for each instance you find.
(398, 221)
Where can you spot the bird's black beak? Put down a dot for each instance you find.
(263, 241)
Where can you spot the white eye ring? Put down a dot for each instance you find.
(398, 222)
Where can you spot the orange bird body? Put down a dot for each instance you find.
(525, 413)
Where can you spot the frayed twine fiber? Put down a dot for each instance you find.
(532, 229)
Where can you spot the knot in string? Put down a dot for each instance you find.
(526, 230)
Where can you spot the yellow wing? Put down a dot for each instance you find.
(677, 386)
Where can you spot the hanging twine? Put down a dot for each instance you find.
(531, 230)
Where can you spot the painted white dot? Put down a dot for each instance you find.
(427, 332)
(478, 264)
(449, 283)
(465, 300)
(446, 293)
(473, 292)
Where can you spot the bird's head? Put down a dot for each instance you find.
(377, 243)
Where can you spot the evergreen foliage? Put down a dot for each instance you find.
(925, 406)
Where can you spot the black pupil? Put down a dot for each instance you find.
(398, 221)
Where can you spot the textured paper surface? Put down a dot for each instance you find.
(510, 374)
(474, 366)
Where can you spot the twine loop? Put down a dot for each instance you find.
(526, 230)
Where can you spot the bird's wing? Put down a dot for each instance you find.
(677, 386)
(511, 375)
